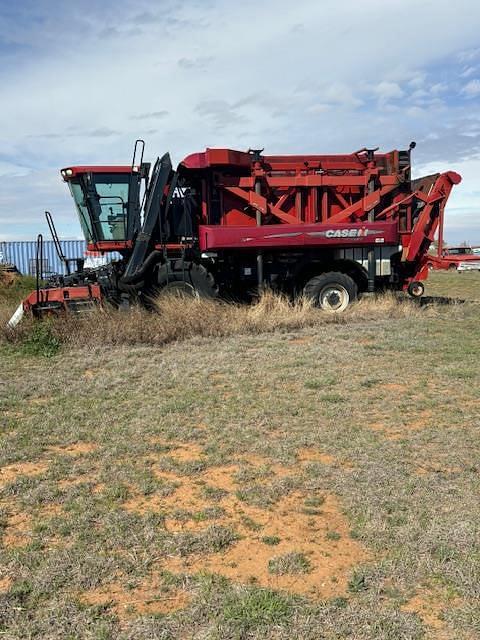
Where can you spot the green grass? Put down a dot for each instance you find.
(13, 294)
(291, 563)
(256, 608)
(392, 399)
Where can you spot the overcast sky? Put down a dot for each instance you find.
(79, 81)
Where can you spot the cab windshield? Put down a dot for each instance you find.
(102, 204)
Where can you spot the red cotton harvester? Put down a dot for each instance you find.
(229, 223)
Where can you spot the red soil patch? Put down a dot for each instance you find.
(14, 414)
(187, 452)
(149, 598)
(184, 452)
(247, 560)
(72, 482)
(312, 455)
(422, 420)
(394, 386)
(77, 449)
(12, 471)
(429, 605)
(436, 467)
(17, 529)
(5, 584)
(300, 529)
(186, 497)
(18, 526)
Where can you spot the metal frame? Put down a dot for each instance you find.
(310, 195)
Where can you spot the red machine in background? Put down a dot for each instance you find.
(230, 222)
(455, 259)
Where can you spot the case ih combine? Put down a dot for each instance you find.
(227, 223)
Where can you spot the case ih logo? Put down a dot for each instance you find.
(347, 233)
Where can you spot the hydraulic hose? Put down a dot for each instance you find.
(139, 273)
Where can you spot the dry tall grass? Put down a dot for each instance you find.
(180, 319)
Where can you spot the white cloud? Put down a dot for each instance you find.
(472, 88)
(388, 91)
(9, 169)
(469, 71)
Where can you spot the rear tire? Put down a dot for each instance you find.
(331, 291)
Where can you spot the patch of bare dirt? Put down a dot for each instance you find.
(17, 529)
(13, 414)
(298, 528)
(367, 341)
(72, 482)
(221, 477)
(10, 472)
(148, 598)
(5, 584)
(247, 561)
(313, 455)
(422, 420)
(52, 509)
(181, 452)
(168, 476)
(186, 497)
(77, 449)
(436, 467)
(187, 452)
(429, 605)
(272, 469)
(395, 386)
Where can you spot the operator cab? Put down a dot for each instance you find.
(108, 203)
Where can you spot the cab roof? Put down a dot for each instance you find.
(70, 172)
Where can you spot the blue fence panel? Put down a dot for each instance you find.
(23, 255)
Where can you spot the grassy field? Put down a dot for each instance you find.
(321, 480)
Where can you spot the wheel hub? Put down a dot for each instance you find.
(334, 298)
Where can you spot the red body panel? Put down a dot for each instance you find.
(299, 198)
(297, 235)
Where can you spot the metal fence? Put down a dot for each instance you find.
(23, 255)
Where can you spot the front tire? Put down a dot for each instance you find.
(187, 279)
(332, 291)
(416, 289)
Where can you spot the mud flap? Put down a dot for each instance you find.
(16, 317)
